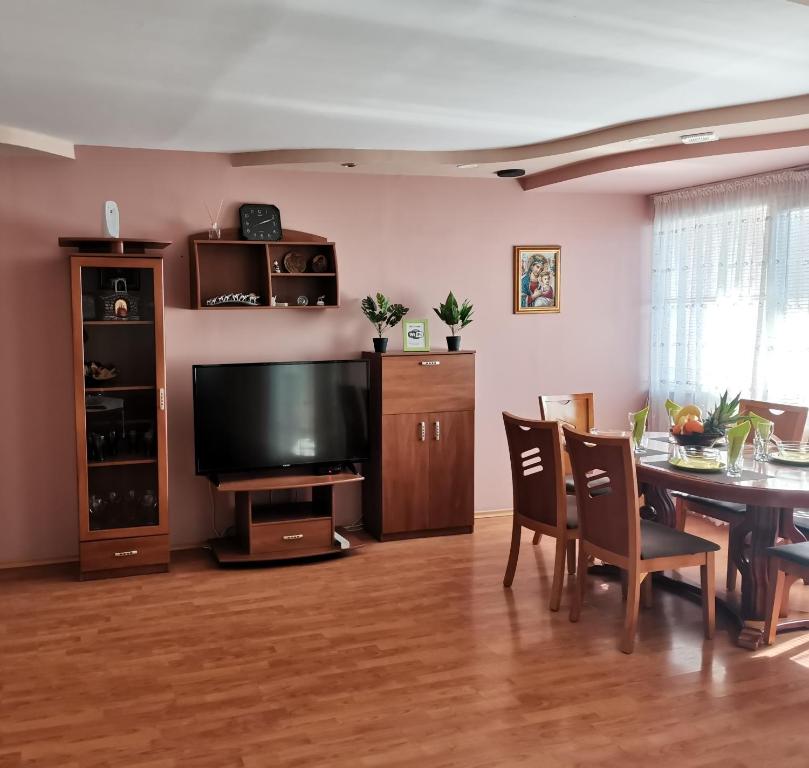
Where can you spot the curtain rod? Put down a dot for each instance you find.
(708, 186)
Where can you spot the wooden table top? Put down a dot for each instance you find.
(762, 484)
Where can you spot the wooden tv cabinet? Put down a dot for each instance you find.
(286, 530)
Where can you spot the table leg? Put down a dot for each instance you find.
(762, 524)
(659, 505)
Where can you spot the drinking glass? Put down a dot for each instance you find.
(638, 445)
(762, 433)
(735, 459)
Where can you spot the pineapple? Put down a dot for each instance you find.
(723, 415)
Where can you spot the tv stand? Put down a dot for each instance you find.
(286, 530)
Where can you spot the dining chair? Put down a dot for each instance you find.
(786, 560)
(789, 422)
(611, 529)
(578, 412)
(540, 502)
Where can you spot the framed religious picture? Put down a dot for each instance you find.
(537, 276)
(416, 335)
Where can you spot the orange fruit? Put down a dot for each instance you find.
(677, 429)
(692, 427)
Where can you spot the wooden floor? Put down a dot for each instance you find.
(405, 654)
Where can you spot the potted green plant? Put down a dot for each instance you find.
(454, 316)
(382, 315)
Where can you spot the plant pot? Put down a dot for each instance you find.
(380, 344)
(453, 343)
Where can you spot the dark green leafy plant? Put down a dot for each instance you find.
(454, 315)
(382, 313)
(724, 414)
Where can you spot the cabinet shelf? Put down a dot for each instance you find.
(276, 275)
(138, 388)
(109, 323)
(121, 462)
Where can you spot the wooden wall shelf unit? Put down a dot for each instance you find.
(121, 438)
(233, 265)
(420, 479)
(286, 530)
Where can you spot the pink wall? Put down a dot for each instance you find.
(413, 238)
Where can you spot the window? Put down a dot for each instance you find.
(730, 291)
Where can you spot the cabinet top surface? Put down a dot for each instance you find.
(400, 353)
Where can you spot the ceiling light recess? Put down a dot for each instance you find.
(510, 173)
(349, 165)
(467, 165)
(699, 138)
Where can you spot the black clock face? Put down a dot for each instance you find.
(260, 221)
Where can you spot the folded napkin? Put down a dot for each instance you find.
(639, 424)
(735, 437)
(760, 424)
(671, 408)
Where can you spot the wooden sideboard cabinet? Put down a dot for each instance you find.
(420, 478)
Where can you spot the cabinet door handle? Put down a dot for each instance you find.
(126, 553)
(422, 431)
(162, 399)
(436, 430)
(293, 536)
(430, 362)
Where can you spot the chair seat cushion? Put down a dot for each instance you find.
(723, 509)
(572, 513)
(570, 486)
(658, 540)
(801, 518)
(795, 553)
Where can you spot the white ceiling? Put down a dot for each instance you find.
(232, 75)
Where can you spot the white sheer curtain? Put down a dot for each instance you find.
(730, 291)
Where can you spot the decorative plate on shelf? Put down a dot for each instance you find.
(320, 263)
(694, 464)
(294, 262)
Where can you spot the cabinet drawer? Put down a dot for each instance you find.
(419, 383)
(291, 535)
(110, 554)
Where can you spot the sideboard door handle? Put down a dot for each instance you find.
(162, 399)
(422, 431)
(437, 430)
(126, 553)
(430, 362)
(293, 536)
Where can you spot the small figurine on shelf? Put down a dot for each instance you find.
(273, 300)
(321, 301)
(276, 267)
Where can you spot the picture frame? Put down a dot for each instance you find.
(415, 335)
(537, 278)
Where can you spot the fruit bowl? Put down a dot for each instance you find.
(705, 439)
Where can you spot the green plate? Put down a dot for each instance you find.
(786, 458)
(698, 465)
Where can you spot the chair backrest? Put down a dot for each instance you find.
(536, 470)
(789, 420)
(606, 492)
(574, 410)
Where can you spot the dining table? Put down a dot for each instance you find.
(770, 491)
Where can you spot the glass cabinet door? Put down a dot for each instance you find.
(124, 398)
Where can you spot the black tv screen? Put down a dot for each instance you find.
(254, 416)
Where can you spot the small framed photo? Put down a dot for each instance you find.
(416, 334)
(537, 277)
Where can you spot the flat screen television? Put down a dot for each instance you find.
(257, 416)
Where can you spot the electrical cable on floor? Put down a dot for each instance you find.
(357, 525)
